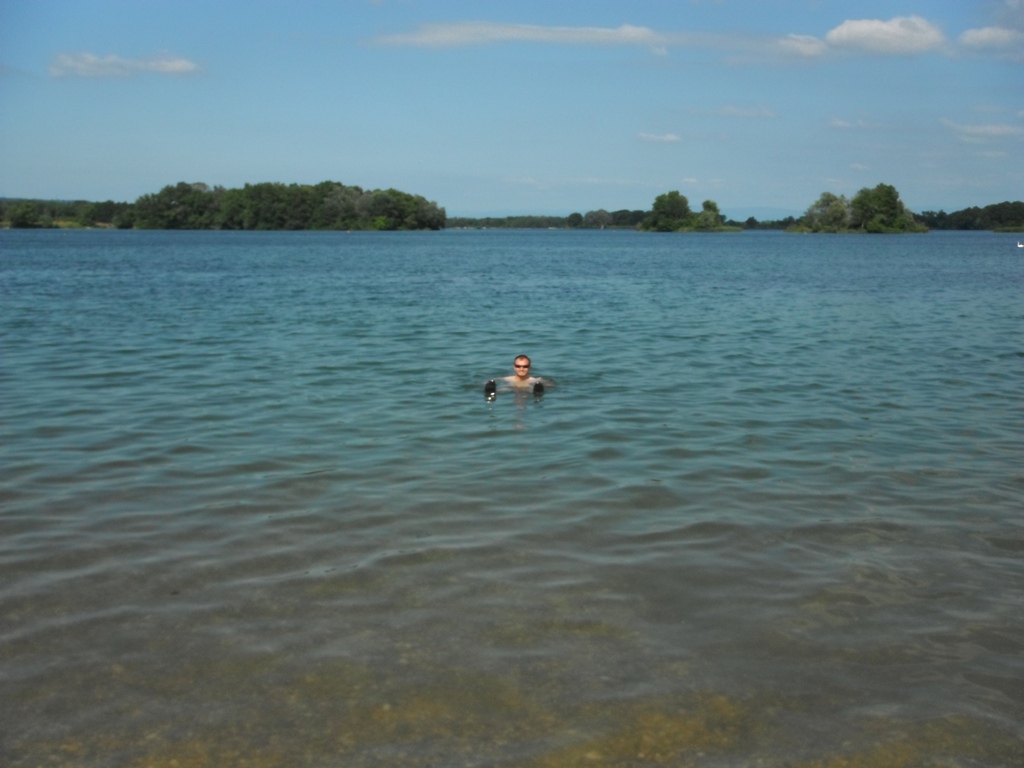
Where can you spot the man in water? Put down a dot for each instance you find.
(521, 379)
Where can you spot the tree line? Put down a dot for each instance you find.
(1001, 217)
(878, 210)
(264, 206)
(30, 214)
(332, 205)
(599, 219)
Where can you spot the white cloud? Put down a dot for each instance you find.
(980, 133)
(1012, 13)
(801, 45)
(666, 138)
(901, 35)
(91, 65)
(483, 32)
(991, 37)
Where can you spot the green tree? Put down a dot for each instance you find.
(829, 214)
(91, 214)
(338, 207)
(299, 204)
(181, 206)
(25, 215)
(231, 209)
(275, 206)
(264, 206)
(429, 215)
(125, 219)
(709, 218)
(670, 212)
(1006, 216)
(574, 220)
(598, 219)
(392, 209)
(880, 210)
(877, 210)
(626, 218)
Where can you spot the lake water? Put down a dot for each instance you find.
(255, 509)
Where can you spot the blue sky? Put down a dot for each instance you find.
(501, 108)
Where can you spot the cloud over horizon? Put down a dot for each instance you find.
(995, 38)
(980, 133)
(801, 45)
(465, 33)
(900, 35)
(91, 65)
(664, 138)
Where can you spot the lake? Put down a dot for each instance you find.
(256, 510)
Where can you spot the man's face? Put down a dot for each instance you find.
(522, 367)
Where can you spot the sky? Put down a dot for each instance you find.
(522, 106)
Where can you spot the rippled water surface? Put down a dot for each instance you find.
(255, 510)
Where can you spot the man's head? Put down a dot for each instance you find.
(522, 366)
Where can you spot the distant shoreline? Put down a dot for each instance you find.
(331, 206)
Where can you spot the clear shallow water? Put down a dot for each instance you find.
(254, 508)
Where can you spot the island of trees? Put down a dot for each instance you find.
(332, 205)
(266, 206)
(671, 213)
(877, 210)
